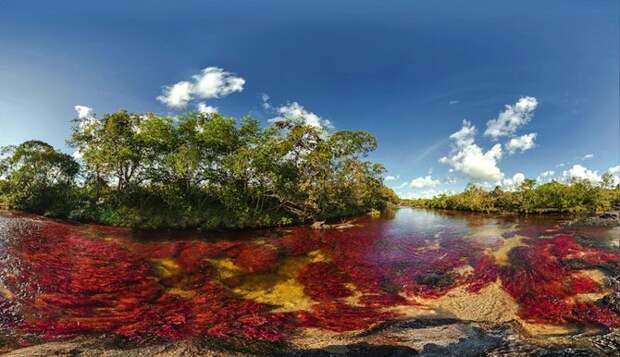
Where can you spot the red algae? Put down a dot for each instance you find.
(256, 258)
(340, 317)
(72, 280)
(541, 281)
(323, 281)
(485, 272)
(77, 285)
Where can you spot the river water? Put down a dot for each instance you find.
(304, 287)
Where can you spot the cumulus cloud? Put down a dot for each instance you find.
(83, 111)
(211, 82)
(429, 193)
(206, 109)
(469, 159)
(297, 113)
(581, 173)
(214, 82)
(178, 95)
(265, 98)
(521, 143)
(77, 155)
(424, 182)
(85, 116)
(545, 176)
(615, 172)
(513, 117)
(514, 182)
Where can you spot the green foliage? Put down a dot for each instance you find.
(37, 178)
(210, 171)
(552, 197)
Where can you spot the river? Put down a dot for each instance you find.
(452, 276)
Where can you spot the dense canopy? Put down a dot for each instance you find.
(196, 170)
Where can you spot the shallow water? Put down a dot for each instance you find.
(60, 280)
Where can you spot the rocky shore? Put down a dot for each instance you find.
(422, 337)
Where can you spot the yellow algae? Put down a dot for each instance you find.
(317, 256)
(354, 299)
(6, 293)
(501, 253)
(489, 234)
(188, 294)
(226, 267)
(464, 270)
(287, 295)
(166, 267)
(600, 278)
(281, 288)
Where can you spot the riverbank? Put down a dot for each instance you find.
(578, 198)
(609, 218)
(431, 337)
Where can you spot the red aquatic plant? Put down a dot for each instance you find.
(78, 285)
(73, 280)
(323, 281)
(255, 258)
(340, 317)
(542, 281)
(485, 272)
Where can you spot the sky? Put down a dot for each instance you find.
(454, 91)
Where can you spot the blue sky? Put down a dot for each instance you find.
(407, 71)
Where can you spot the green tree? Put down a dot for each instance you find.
(37, 178)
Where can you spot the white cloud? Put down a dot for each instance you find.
(587, 157)
(265, 98)
(615, 172)
(297, 113)
(452, 102)
(211, 82)
(545, 176)
(84, 112)
(85, 115)
(206, 109)
(469, 159)
(514, 182)
(214, 82)
(430, 193)
(391, 178)
(77, 155)
(513, 117)
(178, 95)
(582, 173)
(547, 173)
(521, 143)
(423, 182)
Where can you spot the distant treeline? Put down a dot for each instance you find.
(577, 196)
(195, 170)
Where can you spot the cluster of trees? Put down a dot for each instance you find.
(575, 196)
(195, 170)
